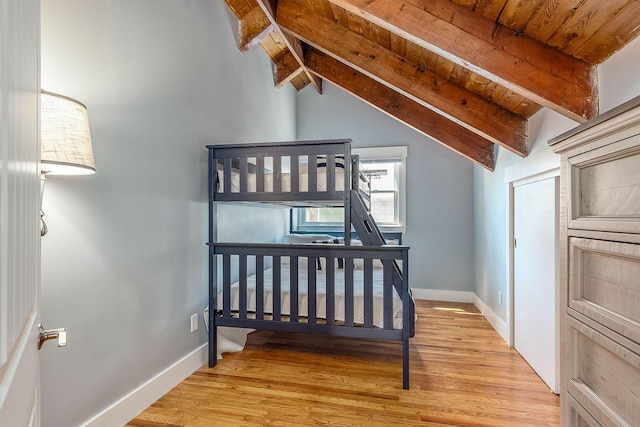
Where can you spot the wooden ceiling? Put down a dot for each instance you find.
(466, 73)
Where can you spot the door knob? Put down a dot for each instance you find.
(50, 334)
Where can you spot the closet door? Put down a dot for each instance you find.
(19, 207)
(535, 314)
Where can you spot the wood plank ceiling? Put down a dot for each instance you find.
(467, 73)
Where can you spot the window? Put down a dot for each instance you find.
(385, 168)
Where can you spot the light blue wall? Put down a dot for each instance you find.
(618, 78)
(125, 263)
(439, 185)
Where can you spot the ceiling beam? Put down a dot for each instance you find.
(252, 28)
(285, 69)
(294, 45)
(530, 68)
(465, 108)
(402, 108)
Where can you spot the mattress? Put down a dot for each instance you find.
(321, 295)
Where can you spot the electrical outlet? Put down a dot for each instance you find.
(500, 297)
(194, 322)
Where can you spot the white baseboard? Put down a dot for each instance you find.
(440, 295)
(129, 406)
(498, 324)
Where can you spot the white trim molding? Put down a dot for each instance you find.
(129, 406)
(442, 295)
(545, 163)
(494, 320)
(542, 166)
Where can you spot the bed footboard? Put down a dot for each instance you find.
(301, 288)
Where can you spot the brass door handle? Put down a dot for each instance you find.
(49, 334)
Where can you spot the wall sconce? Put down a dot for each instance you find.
(65, 141)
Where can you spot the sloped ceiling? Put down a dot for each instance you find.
(467, 73)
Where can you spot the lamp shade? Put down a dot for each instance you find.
(65, 139)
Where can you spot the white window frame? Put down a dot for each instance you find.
(369, 153)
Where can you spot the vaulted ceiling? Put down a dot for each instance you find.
(467, 73)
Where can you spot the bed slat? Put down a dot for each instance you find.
(244, 174)
(295, 174)
(368, 293)
(226, 172)
(242, 304)
(348, 292)
(312, 286)
(226, 285)
(259, 287)
(293, 290)
(331, 290)
(277, 286)
(277, 174)
(260, 174)
(312, 168)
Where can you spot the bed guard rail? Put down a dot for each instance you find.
(242, 262)
(297, 173)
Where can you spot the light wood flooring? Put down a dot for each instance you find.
(462, 374)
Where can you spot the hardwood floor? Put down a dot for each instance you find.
(462, 374)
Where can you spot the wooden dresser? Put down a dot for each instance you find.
(600, 269)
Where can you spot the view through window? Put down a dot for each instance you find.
(386, 176)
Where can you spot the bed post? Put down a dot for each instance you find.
(347, 193)
(408, 318)
(213, 293)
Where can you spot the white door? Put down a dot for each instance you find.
(19, 207)
(534, 299)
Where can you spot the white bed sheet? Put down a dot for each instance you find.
(321, 296)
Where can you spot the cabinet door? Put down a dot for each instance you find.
(604, 185)
(604, 284)
(603, 376)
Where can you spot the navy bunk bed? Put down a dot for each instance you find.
(369, 297)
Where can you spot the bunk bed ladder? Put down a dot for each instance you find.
(370, 235)
(363, 222)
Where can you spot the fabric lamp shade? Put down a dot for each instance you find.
(65, 139)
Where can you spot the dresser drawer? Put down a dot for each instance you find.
(603, 377)
(577, 416)
(604, 284)
(604, 188)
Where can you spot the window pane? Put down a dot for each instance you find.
(383, 207)
(324, 215)
(381, 174)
